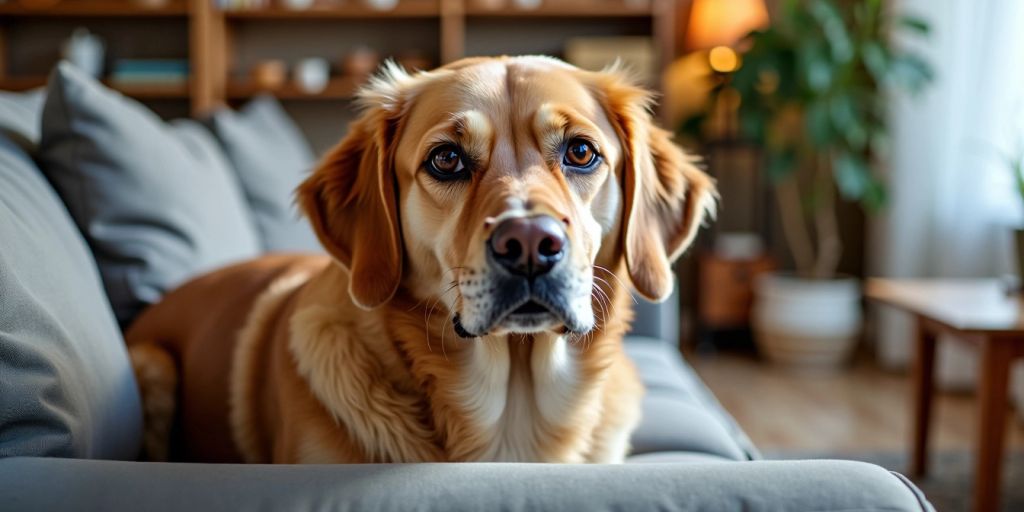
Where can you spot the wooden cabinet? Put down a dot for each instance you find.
(726, 290)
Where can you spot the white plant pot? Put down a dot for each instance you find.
(807, 322)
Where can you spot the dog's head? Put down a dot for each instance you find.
(497, 186)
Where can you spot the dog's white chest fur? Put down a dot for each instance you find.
(519, 396)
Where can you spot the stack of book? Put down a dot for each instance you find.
(167, 72)
(241, 5)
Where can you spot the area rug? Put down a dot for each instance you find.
(950, 478)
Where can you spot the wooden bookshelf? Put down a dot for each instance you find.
(344, 11)
(151, 91)
(212, 32)
(339, 88)
(567, 9)
(94, 8)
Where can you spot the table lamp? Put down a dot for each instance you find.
(717, 25)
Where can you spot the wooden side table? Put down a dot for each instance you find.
(972, 311)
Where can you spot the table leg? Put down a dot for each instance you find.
(993, 381)
(922, 377)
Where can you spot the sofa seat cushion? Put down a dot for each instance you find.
(66, 387)
(157, 203)
(679, 412)
(270, 157)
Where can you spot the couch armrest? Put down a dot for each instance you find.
(63, 484)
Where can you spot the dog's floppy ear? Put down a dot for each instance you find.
(350, 199)
(666, 197)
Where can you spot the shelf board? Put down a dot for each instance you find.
(348, 10)
(340, 88)
(140, 91)
(94, 8)
(151, 91)
(21, 83)
(566, 9)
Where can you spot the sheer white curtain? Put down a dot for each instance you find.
(952, 203)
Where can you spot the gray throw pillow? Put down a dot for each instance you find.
(271, 157)
(157, 203)
(66, 387)
(19, 116)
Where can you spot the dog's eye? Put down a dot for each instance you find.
(580, 155)
(445, 162)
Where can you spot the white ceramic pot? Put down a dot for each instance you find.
(312, 75)
(807, 322)
(527, 4)
(382, 5)
(298, 5)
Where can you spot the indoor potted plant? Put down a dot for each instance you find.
(812, 96)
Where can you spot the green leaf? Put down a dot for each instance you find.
(817, 68)
(875, 197)
(1017, 166)
(817, 123)
(876, 60)
(914, 24)
(852, 176)
(834, 29)
(846, 121)
(911, 72)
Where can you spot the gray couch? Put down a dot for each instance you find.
(70, 415)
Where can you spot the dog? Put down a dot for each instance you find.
(483, 223)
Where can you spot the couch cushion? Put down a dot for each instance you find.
(271, 157)
(157, 202)
(19, 116)
(679, 412)
(66, 388)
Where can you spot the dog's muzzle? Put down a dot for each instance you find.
(530, 288)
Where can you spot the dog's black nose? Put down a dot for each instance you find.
(528, 246)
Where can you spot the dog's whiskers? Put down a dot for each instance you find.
(452, 269)
(617, 279)
(603, 298)
(603, 301)
(604, 293)
(452, 283)
(430, 311)
(451, 318)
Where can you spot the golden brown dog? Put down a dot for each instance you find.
(482, 219)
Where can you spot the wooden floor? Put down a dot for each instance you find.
(859, 409)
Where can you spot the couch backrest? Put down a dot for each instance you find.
(659, 320)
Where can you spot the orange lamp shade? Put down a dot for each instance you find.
(723, 22)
